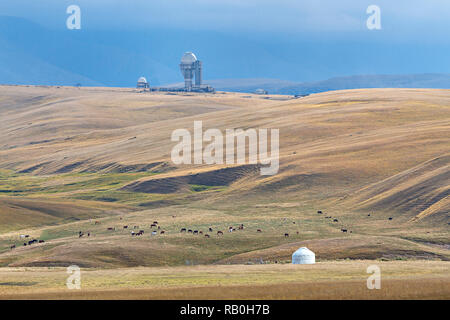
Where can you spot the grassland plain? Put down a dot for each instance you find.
(87, 159)
(325, 280)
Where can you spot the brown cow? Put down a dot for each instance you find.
(13, 246)
(219, 233)
(259, 230)
(162, 232)
(206, 235)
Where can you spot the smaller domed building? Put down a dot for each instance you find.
(142, 83)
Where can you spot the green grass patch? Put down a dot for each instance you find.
(201, 187)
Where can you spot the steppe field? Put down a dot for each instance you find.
(375, 162)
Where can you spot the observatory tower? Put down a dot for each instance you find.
(191, 67)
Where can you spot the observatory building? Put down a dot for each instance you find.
(191, 69)
(142, 83)
(303, 256)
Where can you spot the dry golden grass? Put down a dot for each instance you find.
(68, 155)
(331, 280)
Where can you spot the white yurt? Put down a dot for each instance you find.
(303, 256)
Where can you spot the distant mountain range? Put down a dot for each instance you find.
(275, 86)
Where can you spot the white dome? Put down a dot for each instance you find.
(142, 80)
(303, 256)
(188, 58)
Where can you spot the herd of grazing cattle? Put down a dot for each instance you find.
(335, 220)
(27, 243)
(155, 228)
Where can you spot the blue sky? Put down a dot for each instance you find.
(301, 40)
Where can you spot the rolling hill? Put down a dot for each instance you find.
(89, 159)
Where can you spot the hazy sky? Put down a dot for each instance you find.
(298, 40)
(408, 18)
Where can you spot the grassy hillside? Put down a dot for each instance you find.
(93, 158)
